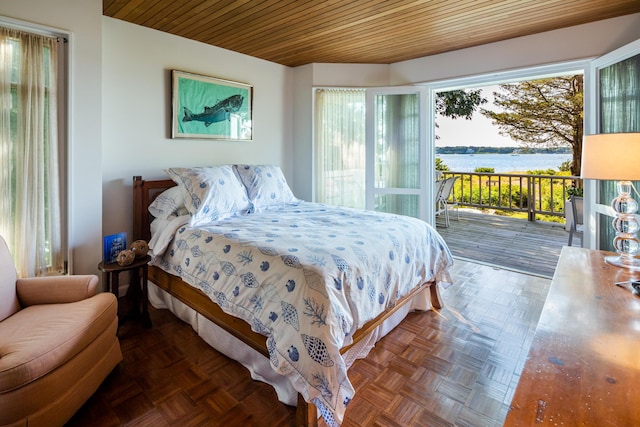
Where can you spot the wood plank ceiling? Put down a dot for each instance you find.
(298, 32)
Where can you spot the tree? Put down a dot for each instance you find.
(545, 112)
(440, 166)
(454, 104)
(459, 103)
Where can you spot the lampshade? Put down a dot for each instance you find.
(612, 156)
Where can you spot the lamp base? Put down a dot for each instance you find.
(630, 263)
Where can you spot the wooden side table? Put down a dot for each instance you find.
(138, 289)
(583, 367)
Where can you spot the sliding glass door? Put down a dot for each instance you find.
(396, 151)
(613, 100)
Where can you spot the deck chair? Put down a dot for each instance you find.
(447, 199)
(440, 207)
(577, 223)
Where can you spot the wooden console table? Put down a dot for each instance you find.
(583, 367)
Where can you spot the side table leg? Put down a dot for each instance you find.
(134, 291)
(145, 297)
(115, 283)
(106, 284)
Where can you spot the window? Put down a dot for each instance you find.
(340, 147)
(32, 180)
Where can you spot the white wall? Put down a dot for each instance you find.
(82, 18)
(350, 75)
(137, 64)
(578, 42)
(303, 156)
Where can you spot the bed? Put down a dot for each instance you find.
(295, 291)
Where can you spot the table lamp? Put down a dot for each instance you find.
(616, 156)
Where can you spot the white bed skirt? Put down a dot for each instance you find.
(256, 363)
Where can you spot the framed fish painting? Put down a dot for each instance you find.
(210, 108)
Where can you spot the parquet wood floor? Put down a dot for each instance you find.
(455, 367)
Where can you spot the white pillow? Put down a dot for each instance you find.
(168, 203)
(266, 185)
(211, 193)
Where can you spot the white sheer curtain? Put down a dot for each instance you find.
(30, 218)
(340, 147)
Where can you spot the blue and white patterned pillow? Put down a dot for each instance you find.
(211, 193)
(169, 203)
(266, 185)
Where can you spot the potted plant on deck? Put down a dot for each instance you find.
(568, 212)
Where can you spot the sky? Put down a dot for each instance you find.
(476, 132)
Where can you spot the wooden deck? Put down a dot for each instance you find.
(514, 244)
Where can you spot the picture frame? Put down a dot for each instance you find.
(210, 108)
(112, 245)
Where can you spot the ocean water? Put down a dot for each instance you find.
(503, 162)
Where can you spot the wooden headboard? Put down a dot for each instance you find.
(144, 192)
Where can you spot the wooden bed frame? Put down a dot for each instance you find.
(144, 192)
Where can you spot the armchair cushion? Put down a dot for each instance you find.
(40, 338)
(55, 289)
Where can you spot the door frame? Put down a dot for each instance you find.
(594, 207)
(489, 79)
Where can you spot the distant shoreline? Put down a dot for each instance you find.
(500, 150)
(499, 154)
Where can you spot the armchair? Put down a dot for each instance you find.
(57, 344)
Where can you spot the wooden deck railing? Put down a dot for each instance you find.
(533, 194)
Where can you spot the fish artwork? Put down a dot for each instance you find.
(218, 113)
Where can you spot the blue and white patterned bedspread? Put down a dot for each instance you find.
(307, 276)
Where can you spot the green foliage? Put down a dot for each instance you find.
(541, 172)
(485, 170)
(494, 195)
(575, 191)
(441, 166)
(565, 166)
(459, 103)
(545, 112)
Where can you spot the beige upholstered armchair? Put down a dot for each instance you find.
(57, 344)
